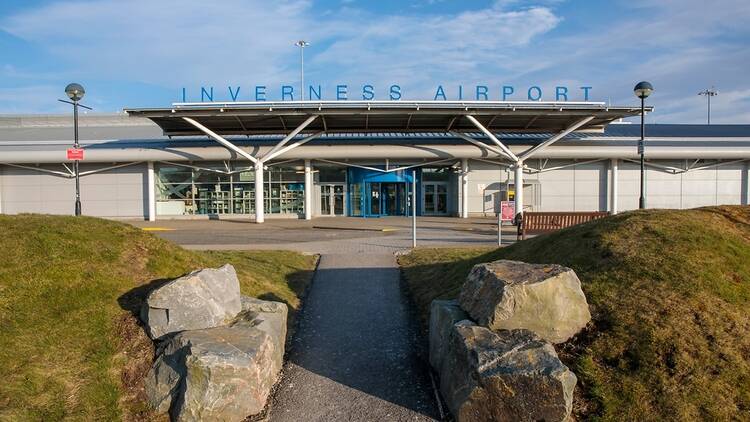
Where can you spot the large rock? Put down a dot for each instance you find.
(506, 376)
(507, 295)
(269, 317)
(202, 299)
(443, 315)
(223, 373)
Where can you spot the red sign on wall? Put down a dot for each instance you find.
(75, 154)
(507, 210)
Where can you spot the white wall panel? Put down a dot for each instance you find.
(114, 193)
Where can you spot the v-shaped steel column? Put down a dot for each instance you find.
(259, 163)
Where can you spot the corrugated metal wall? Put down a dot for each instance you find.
(586, 186)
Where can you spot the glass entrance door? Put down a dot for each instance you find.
(435, 198)
(332, 199)
(386, 199)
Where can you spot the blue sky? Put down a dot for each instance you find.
(142, 52)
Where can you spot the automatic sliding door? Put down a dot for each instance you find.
(375, 206)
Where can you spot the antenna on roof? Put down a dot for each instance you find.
(709, 93)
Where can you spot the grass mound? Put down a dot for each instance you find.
(70, 346)
(670, 297)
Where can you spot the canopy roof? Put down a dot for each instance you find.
(248, 118)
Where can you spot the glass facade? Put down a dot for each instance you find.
(209, 190)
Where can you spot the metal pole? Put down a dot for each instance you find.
(414, 209)
(499, 228)
(75, 164)
(302, 72)
(641, 147)
(709, 109)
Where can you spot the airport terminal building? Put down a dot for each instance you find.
(309, 159)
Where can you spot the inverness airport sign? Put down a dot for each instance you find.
(394, 92)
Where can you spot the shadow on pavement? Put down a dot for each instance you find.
(358, 329)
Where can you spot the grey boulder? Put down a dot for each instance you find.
(202, 299)
(506, 376)
(507, 295)
(223, 373)
(443, 315)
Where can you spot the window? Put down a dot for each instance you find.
(209, 190)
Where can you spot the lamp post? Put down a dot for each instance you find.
(709, 93)
(76, 92)
(302, 44)
(642, 90)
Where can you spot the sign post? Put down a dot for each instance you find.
(507, 212)
(414, 209)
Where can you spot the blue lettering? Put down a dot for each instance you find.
(460, 92)
(395, 92)
(561, 91)
(482, 91)
(507, 91)
(312, 91)
(341, 91)
(287, 90)
(586, 90)
(260, 93)
(207, 94)
(367, 92)
(234, 95)
(440, 93)
(538, 93)
(183, 95)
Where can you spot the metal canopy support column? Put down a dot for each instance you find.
(518, 187)
(556, 138)
(480, 144)
(276, 154)
(151, 191)
(464, 188)
(308, 190)
(289, 137)
(221, 140)
(614, 185)
(259, 202)
(492, 137)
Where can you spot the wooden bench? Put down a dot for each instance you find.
(545, 222)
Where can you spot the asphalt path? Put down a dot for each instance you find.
(357, 354)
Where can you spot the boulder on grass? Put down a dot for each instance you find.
(507, 295)
(443, 315)
(202, 299)
(506, 376)
(222, 373)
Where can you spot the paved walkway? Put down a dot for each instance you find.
(357, 354)
(331, 235)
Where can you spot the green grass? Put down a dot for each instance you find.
(70, 347)
(670, 297)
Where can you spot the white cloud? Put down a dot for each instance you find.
(192, 41)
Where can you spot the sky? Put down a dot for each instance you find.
(142, 53)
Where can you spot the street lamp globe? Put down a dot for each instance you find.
(302, 43)
(643, 89)
(75, 91)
